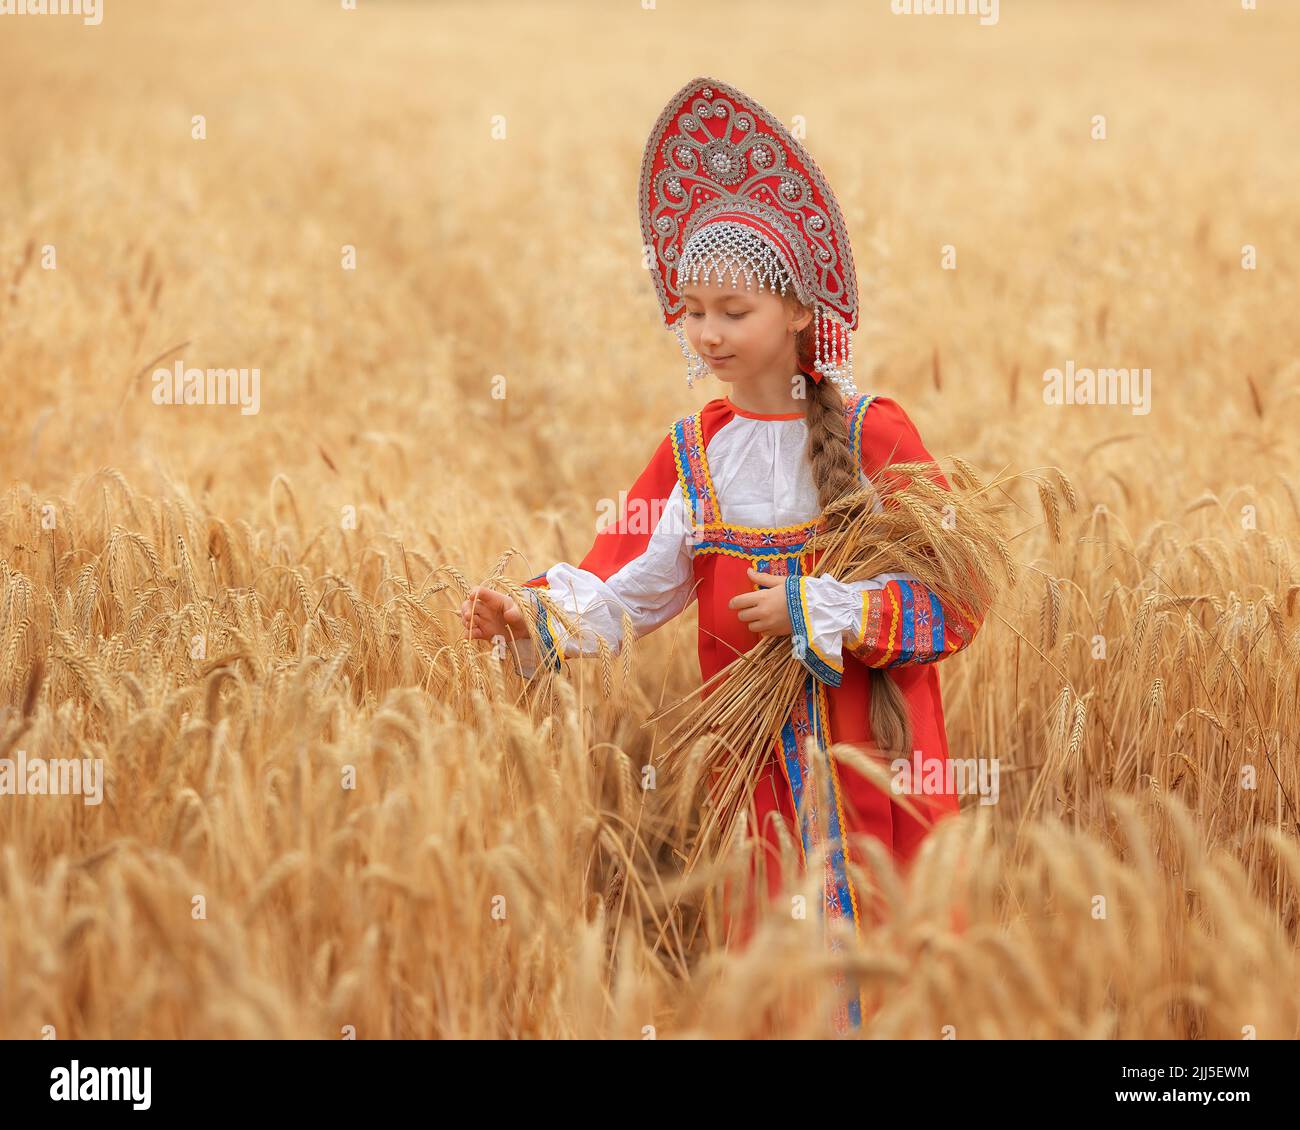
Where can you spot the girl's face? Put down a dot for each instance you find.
(742, 334)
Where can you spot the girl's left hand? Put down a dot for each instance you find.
(765, 611)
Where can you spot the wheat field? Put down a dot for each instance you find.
(327, 813)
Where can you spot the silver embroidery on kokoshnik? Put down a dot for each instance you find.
(724, 156)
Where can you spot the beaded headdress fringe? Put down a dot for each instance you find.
(723, 250)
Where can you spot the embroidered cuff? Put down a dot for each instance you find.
(815, 647)
(864, 643)
(551, 654)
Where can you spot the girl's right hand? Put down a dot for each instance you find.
(487, 614)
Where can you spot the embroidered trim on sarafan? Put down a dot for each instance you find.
(822, 823)
(752, 542)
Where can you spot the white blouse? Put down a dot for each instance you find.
(761, 477)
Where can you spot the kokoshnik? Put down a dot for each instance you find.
(726, 188)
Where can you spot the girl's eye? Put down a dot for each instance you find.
(737, 316)
(694, 313)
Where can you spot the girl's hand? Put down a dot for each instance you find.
(487, 614)
(765, 611)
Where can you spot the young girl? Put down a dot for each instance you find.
(753, 261)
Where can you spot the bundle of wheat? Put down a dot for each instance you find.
(952, 538)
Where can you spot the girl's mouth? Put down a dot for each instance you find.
(718, 360)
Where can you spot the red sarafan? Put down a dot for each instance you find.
(653, 566)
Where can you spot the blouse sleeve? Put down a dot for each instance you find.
(825, 615)
(891, 619)
(640, 565)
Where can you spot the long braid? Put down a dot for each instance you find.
(828, 442)
(834, 473)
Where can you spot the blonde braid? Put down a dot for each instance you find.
(835, 473)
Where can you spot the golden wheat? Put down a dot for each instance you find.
(324, 808)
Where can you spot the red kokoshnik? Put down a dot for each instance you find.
(722, 181)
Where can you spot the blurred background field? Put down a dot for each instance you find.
(128, 529)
